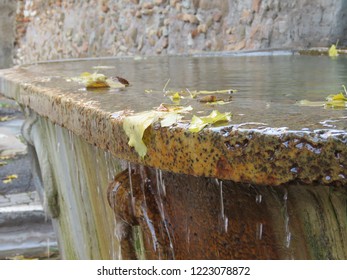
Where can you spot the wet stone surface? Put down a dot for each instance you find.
(270, 140)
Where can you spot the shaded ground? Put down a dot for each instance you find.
(25, 231)
(20, 165)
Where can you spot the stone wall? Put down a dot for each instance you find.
(58, 29)
(7, 20)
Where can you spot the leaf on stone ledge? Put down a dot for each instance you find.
(135, 126)
(170, 119)
(198, 123)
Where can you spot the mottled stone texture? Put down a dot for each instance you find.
(7, 20)
(63, 29)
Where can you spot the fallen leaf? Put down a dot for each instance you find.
(9, 178)
(208, 98)
(339, 96)
(176, 97)
(135, 126)
(6, 118)
(333, 51)
(97, 81)
(122, 81)
(198, 123)
(170, 119)
(335, 101)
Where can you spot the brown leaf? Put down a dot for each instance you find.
(208, 98)
(122, 81)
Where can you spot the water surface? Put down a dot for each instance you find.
(268, 87)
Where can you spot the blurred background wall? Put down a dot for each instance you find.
(7, 34)
(55, 29)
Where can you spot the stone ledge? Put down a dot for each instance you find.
(269, 156)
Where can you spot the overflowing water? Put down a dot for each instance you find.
(182, 216)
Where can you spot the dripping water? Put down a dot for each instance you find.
(225, 219)
(145, 181)
(286, 219)
(258, 198)
(132, 198)
(259, 231)
(161, 210)
(116, 253)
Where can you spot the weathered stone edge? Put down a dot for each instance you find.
(233, 154)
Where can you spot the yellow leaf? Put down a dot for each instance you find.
(176, 97)
(198, 123)
(97, 81)
(333, 51)
(336, 104)
(6, 118)
(339, 96)
(9, 178)
(135, 126)
(170, 119)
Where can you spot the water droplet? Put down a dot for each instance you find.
(259, 231)
(286, 219)
(258, 198)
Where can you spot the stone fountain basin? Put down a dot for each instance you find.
(270, 142)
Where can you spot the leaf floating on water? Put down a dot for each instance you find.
(339, 96)
(9, 178)
(311, 103)
(198, 123)
(98, 81)
(176, 97)
(208, 98)
(334, 101)
(333, 51)
(122, 81)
